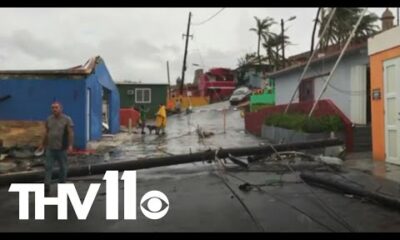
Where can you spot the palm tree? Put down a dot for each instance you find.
(262, 29)
(342, 24)
(273, 46)
(270, 44)
(366, 29)
(249, 58)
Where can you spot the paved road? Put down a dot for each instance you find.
(204, 199)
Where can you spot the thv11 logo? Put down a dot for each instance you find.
(153, 204)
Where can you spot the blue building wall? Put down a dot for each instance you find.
(105, 79)
(95, 107)
(31, 100)
(98, 80)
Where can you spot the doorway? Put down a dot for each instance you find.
(88, 104)
(306, 90)
(391, 110)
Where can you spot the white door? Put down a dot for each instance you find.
(392, 110)
(358, 98)
(87, 114)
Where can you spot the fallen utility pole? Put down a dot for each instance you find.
(238, 161)
(167, 161)
(338, 185)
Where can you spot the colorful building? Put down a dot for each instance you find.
(263, 97)
(384, 52)
(218, 84)
(347, 91)
(87, 93)
(347, 87)
(150, 95)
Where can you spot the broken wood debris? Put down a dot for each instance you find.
(202, 133)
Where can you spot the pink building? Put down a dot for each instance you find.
(217, 83)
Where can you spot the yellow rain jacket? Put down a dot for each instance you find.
(161, 117)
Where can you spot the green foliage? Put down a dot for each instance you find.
(332, 123)
(262, 29)
(342, 24)
(301, 122)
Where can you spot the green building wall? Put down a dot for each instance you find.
(158, 96)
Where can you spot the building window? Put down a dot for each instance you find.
(143, 95)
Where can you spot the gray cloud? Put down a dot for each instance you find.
(136, 43)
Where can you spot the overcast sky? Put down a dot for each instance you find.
(136, 42)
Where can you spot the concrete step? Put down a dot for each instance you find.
(362, 147)
(362, 138)
(362, 134)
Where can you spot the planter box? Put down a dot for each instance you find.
(277, 135)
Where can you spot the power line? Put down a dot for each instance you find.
(200, 23)
(345, 92)
(220, 169)
(199, 52)
(282, 200)
(324, 206)
(342, 91)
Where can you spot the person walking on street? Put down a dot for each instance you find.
(143, 116)
(58, 139)
(161, 119)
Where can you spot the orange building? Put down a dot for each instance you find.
(384, 53)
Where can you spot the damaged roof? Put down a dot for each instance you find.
(85, 69)
(140, 83)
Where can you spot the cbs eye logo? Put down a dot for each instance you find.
(154, 205)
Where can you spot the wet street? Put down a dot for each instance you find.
(205, 197)
(181, 136)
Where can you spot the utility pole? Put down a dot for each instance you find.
(169, 82)
(283, 42)
(397, 16)
(314, 29)
(184, 57)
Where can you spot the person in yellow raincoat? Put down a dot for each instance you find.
(161, 119)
